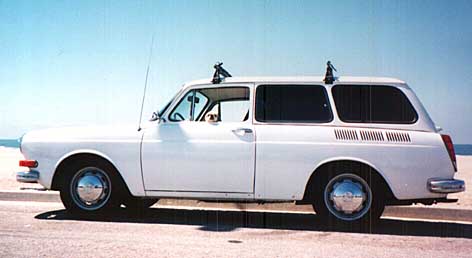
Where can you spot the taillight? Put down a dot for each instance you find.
(450, 149)
(28, 163)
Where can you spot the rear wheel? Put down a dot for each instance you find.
(349, 199)
(90, 187)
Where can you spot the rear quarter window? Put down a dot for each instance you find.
(373, 104)
(292, 103)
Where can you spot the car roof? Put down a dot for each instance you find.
(305, 79)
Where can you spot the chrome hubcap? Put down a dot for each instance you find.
(90, 188)
(348, 197)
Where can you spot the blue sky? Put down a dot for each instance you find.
(83, 62)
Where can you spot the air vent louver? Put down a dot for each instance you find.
(368, 135)
(398, 137)
(371, 135)
(346, 134)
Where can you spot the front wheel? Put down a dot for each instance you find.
(90, 187)
(349, 199)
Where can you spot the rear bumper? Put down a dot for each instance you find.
(441, 185)
(27, 176)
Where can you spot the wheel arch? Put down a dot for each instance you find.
(324, 166)
(85, 154)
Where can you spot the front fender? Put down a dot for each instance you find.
(131, 176)
(83, 151)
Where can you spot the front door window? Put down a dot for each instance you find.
(226, 104)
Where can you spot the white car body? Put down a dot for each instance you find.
(252, 160)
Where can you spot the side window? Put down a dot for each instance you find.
(292, 103)
(200, 102)
(373, 104)
(190, 106)
(234, 111)
(225, 104)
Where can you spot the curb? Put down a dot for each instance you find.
(453, 215)
(30, 196)
(424, 213)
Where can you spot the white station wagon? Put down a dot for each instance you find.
(347, 145)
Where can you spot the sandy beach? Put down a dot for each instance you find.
(9, 158)
(9, 166)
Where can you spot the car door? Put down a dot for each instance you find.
(186, 153)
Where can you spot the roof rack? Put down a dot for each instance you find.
(329, 77)
(220, 73)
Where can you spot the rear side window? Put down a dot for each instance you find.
(292, 103)
(373, 104)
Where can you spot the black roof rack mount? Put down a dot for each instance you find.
(220, 73)
(329, 77)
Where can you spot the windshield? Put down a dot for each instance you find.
(163, 110)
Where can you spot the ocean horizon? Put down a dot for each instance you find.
(461, 149)
(10, 143)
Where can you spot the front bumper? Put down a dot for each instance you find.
(27, 176)
(441, 185)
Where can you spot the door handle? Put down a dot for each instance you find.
(241, 131)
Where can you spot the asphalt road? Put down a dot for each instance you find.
(41, 229)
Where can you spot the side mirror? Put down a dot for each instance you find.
(155, 116)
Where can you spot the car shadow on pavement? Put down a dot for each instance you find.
(223, 221)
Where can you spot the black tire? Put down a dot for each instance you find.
(76, 172)
(366, 217)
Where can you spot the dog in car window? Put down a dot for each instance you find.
(211, 117)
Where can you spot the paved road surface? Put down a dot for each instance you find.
(37, 229)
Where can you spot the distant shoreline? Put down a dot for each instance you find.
(12, 143)
(463, 149)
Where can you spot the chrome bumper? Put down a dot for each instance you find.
(27, 176)
(440, 185)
